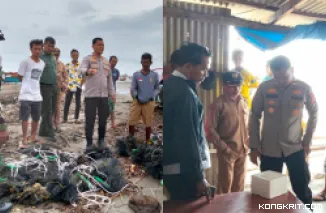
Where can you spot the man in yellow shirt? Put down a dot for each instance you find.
(250, 81)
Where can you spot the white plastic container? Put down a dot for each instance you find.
(269, 184)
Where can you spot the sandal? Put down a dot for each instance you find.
(22, 145)
(319, 197)
(36, 141)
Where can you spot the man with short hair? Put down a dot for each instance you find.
(115, 78)
(75, 83)
(144, 89)
(186, 153)
(30, 71)
(282, 100)
(227, 129)
(98, 87)
(48, 90)
(62, 81)
(250, 81)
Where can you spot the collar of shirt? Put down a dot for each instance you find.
(236, 100)
(179, 74)
(293, 83)
(95, 58)
(74, 64)
(47, 54)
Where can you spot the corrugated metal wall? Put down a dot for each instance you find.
(213, 35)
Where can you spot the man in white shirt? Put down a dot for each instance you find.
(30, 71)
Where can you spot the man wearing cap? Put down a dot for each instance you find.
(282, 101)
(62, 81)
(227, 129)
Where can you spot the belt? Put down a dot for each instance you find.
(44, 84)
(172, 169)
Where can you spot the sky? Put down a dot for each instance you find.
(129, 28)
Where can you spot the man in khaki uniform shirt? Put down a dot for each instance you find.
(62, 82)
(227, 128)
(282, 101)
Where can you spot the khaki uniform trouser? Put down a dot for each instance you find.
(57, 115)
(231, 173)
(142, 111)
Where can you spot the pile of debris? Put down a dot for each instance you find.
(150, 156)
(43, 173)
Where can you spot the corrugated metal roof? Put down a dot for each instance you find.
(313, 6)
(253, 10)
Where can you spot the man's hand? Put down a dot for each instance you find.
(113, 97)
(306, 149)
(254, 155)
(91, 72)
(203, 189)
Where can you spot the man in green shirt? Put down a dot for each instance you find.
(48, 89)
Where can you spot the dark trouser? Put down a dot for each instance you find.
(48, 109)
(180, 187)
(93, 106)
(298, 171)
(69, 96)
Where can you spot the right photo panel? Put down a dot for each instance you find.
(243, 109)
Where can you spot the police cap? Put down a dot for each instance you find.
(232, 78)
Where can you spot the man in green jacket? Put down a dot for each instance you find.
(48, 89)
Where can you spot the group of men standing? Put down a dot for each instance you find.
(46, 80)
(269, 128)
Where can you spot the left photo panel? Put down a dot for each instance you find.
(81, 106)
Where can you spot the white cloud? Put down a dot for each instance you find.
(129, 28)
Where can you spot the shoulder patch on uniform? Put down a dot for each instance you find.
(312, 97)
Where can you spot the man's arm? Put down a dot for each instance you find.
(110, 85)
(65, 75)
(118, 75)
(312, 108)
(22, 70)
(84, 66)
(213, 118)
(255, 119)
(133, 89)
(253, 81)
(186, 127)
(156, 85)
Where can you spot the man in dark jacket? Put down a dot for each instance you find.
(186, 154)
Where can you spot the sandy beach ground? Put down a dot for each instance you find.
(72, 139)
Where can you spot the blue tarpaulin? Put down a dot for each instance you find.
(271, 39)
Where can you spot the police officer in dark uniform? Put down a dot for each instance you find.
(282, 101)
